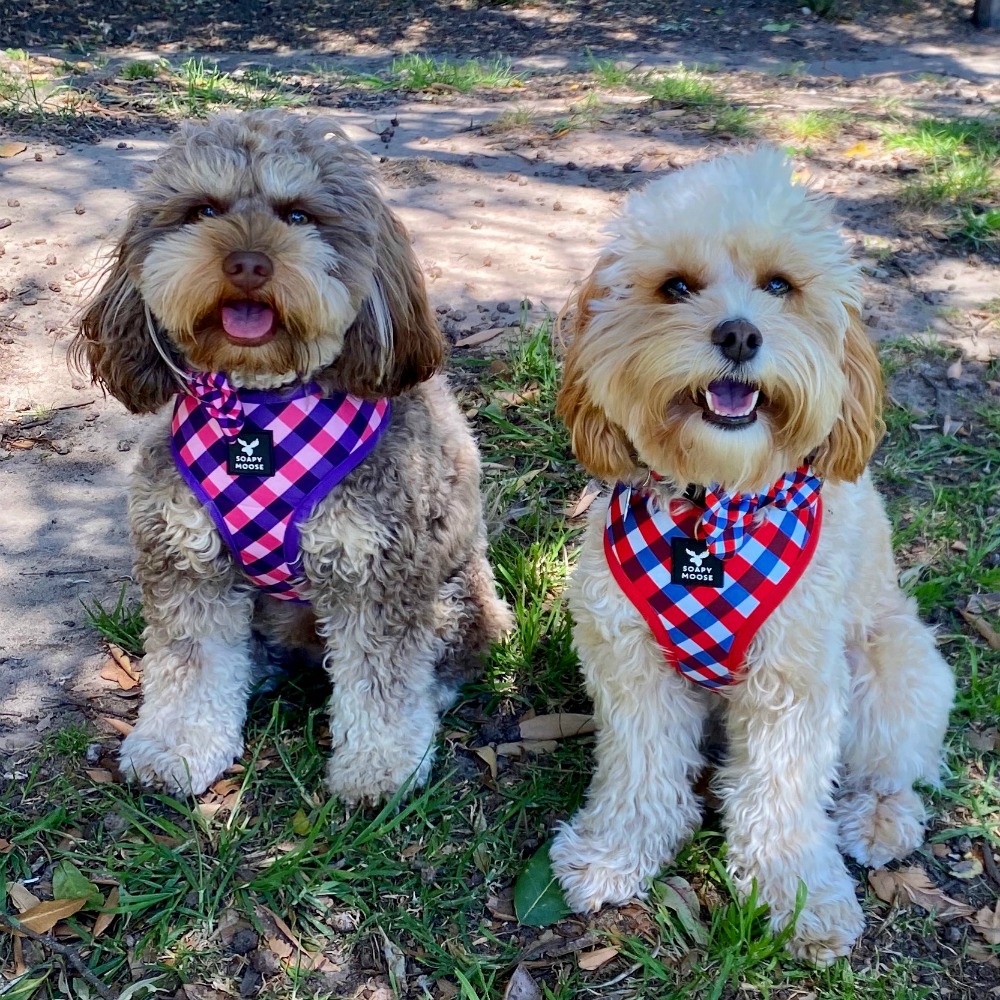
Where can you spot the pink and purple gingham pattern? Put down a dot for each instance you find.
(317, 439)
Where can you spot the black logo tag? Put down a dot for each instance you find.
(251, 453)
(693, 565)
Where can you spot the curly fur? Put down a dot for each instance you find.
(845, 699)
(403, 599)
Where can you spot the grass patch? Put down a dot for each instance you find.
(814, 126)
(417, 891)
(122, 624)
(138, 71)
(960, 161)
(416, 72)
(683, 88)
(737, 121)
(199, 87)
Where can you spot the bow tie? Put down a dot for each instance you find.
(219, 398)
(729, 518)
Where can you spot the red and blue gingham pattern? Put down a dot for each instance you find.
(317, 441)
(705, 631)
(728, 518)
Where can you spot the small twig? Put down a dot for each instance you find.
(988, 863)
(64, 951)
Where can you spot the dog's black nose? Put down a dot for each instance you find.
(248, 269)
(738, 339)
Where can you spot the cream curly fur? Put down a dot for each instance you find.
(844, 700)
(403, 601)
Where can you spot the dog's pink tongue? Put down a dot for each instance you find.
(730, 398)
(247, 320)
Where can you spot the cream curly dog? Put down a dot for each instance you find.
(313, 480)
(720, 375)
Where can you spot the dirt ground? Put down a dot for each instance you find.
(499, 217)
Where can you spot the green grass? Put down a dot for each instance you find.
(682, 88)
(814, 126)
(737, 121)
(428, 871)
(138, 71)
(417, 72)
(121, 624)
(199, 87)
(960, 173)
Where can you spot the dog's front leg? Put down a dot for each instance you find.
(383, 709)
(641, 805)
(784, 725)
(196, 674)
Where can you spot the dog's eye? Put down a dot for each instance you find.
(776, 286)
(296, 217)
(202, 212)
(675, 289)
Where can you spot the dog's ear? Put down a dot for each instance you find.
(114, 345)
(601, 446)
(860, 426)
(395, 341)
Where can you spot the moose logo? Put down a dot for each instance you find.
(251, 454)
(693, 565)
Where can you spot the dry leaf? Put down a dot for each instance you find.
(280, 947)
(489, 755)
(43, 917)
(590, 960)
(969, 868)
(481, 337)
(987, 922)
(978, 952)
(22, 897)
(587, 497)
(120, 726)
(502, 905)
(522, 986)
(983, 627)
(9, 149)
(19, 965)
(985, 742)
(858, 149)
(100, 776)
(556, 726)
(395, 962)
(123, 660)
(5, 846)
(949, 428)
(526, 746)
(912, 885)
(517, 398)
(104, 918)
(226, 786)
(954, 370)
(111, 671)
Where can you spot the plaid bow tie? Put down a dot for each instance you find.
(220, 399)
(728, 519)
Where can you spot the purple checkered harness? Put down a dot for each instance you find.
(317, 441)
(765, 542)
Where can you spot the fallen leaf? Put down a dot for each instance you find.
(983, 627)
(226, 786)
(987, 922)
(68, 882)
(585, 501)
(22, 897)
(42, 918)
(912, 885)
(106, 916)
(590, 960)
(301, 824)
(526, 746)
(954, 370)
(123, 660)
(502, 906)
(978, 952)
(538, 900)
(980, 603)
(5, 846)
(522, 986)
(677, 895)
(481, 337)
(557, 726)
(9, 149)
(949, 427)
(120, 726)
(395, 963)
(489, 755)
(969, 868)
(512, 398)
(778, 26)
(858, 149)
(111, 671)
(985, 741)
(99, 775)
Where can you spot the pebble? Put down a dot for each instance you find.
(503, 307)
(51, 260)
(4, 223)
(124, 445)
(29, 299)
(457, 315)
(79, 209)
(13, 203)
(61, 446)
(94, 752)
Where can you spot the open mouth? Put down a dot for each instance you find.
(248, 323)
(729, 403)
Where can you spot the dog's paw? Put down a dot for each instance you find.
(828, 927)
(186, 766)
(876, 828)
(369, 773)
(593, 871)
(831, 919)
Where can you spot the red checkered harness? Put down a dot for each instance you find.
(317, 440)
(765, 542)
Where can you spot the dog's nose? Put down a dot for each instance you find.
(248, 269)
(738, 339)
